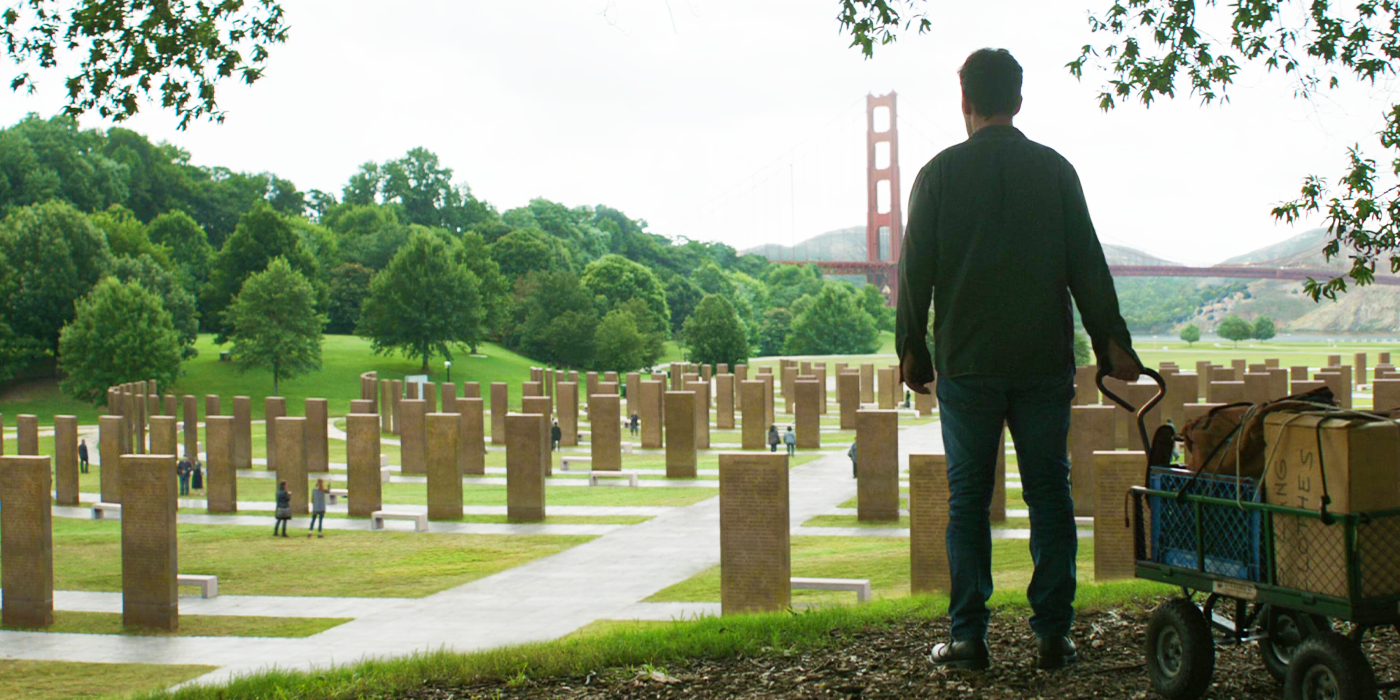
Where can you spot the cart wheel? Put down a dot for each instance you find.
(1180, 650)
(1328, 666)
(1284, 630)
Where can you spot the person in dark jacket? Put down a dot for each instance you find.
(284, 509)
(555, 435)
(82, 457)
(773, 439)
(197, 476)
(852, 454)
(318, 509)
(634, 423)
(182, 470)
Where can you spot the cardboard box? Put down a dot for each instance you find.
(1357, 464)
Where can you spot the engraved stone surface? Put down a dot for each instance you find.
(149, 560)
(242, 432)
(1181, 390)
(540, 405)
(877, 466)
(444, 476)
(1114, 474)
(867, 383)
(413, 440)
(1091, 429)
(26, 541)
(362, 463)
(651, 412)
(317, 441)
(65, 464)
(754, 422)
(848, 397)
(567, 395)
(809, 415)
(274, 407)
(680, 434)
(164, 438)
(471, 436)
(886, 390)
(109, 444)
(190, 416)
(524, 468)
(702, 413)
(755, 559)
(220, 480)
(500, 406)
(291, 460)
(928, 524)
(211, 405)
(606, 443)
(724, 401)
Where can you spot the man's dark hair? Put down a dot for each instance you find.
(991, 79)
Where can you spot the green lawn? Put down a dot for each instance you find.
(248, 561)
(70, 622)
(68, 680)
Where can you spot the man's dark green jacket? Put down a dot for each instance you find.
(999, 235)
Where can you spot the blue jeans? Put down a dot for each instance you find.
(972, 411)
(317, 519)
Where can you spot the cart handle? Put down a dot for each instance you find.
(1141, 413)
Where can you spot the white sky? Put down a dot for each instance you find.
(743, 120)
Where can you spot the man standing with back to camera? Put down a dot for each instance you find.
(999, 237)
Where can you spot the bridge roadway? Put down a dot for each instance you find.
(864, 267)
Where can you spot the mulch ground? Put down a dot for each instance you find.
(892, 662)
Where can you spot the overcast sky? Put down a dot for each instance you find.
(743, 120)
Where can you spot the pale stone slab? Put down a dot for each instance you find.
(386, 405)
(1115, 473)
(413, 448)
(109, 444)
(755, 425)
(886, 391)
(396, 398)
(634, 389)
(274, 407)
(769, 397)
(741, 375)
(500, 406)
(524, 468)
(848, 397)
(449, 397)
(605, 444)
(65, 464)
(540, 405)
(190, 418)
(1181, 390)
(471, 390)
(317, 438)
(1386, 395)
(1091, 429)
(789, 378)
(212, 405)
(220, 479)
(724, 401)
(362, 464)
(26, 541)
(567, 395)
(877, 466)
(1225, 392)
(27, 434)
(652, 407)
(150, 563)
(291, 460)
(242, 432)
(755, 560)
(928, 524)
(1086, 392)
(472, 435)
(702, 413)
(867, 384)
(164, 440)
(429, 394)
(809, 417)
(680, 434)
(444, 475)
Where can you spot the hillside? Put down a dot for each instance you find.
(849, 244)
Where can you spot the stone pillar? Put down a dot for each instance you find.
(928, 524)
(651, 412)
(242, 433)
(138, 415)
(1298, 373)
(532, 389)
(567, 395)
(430, 397)
(27, 434)
(169, 404)
(291, 460)
(1086, 392)
(191, 417)
(109, 445)
(809, 417)
(149, 561)
(741, 375)
(220, 480)
(1340, 385)
(755, 560)
(413, 391)
(444, 475)
(867, 384)
(848, 396)
(386, 405)
(769, 397)
(524, 468)
(1225, 392)
(724, 402)
(364, 483)
(449, 397)
(361, 406)
(395, 397)
(211, 405)
(634, 389)
(274, 407)
(1387, 395)
(754, 423)
(412, 443)
(877, 466)
(471, 390)
(606, 442)
(1278, 383)
(26, 540)
(65, 465)
(821, 382)
(1181, 390)
(887, 392)
(1115, 473)
(500, 406)
(1091, 429)
(680, 434)
(1256, 387)
(471, 436)
(164, 440)
(789, 378)
(702, 413)
(317, 442)
(539, 405)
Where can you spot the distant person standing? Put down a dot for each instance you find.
(634, 422)
(284, 509)
(790, 439)
(852, 454)
(197, 478)
(82, 457)
(318, 509)
(555, 435)
(773, 438)
(182, 470)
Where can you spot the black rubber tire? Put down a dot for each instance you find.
(1284, 630)
(1328, 666)
(1180, 650)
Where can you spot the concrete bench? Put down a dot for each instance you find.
(100, 509)
(339, 493)
(208, 584)
(594, 476)
(860, 585)
(565, 461)
(384, 475)
(377, 518)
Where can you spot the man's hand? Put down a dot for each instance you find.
(1124, 366)
(914, 376)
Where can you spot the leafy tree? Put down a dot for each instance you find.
(651, 328)
(120, 333)
(715, 334)
(617, 345)
(1235, 329)
(1264, 328)
(875, 304)
(261, 236)
(712, 280)
(80, 172)
(56, 256)
(188, 244)
(180, 304)
(126, 235)
(617, 280)
(184, 47)
(473, 252)
(423, 303)
(274, 324)
(1190, 333)
(568, 339)
(1082, 350)
(682, 296)
(349, 285)
(773, 334)
(557, 319)
(833, 324)
(528, 250)
(419, 187)
(319, 241)
(16, 351)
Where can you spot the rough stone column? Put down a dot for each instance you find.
(1242, 366)
(242, 432)
(444, 475)
(191, 416)
(27, 434)
(274, 407)
(1091, 429)
(1337, 381)
(606, 445)
(741, 375)
(471, 390)
(769, 397)
(211, 405)
(1386, 395)
(1225, 392)
(789, 378)
(500, 406)
(413, 391)
(395, 397)
(848, 396)
(886, 391)
(170, 405)
(651, 412)
(413, 451)
(1181, 390)
(361, 406)
(867, 384)
(754, 546)
(634, 388)
(26, 541)
(150, 563)
(109, 445)
(724, 401)
(877, 466)
(317, 442)
(291, 460)
(65, 465)
(1256, 388)
(138, 416)
(1115, 473)
(364, 485)
(1203, 377)
(220, 480)
(680, 434)
(524, 469)
(386, 405)
(164, 436)
(702, 413)
(567, 395)
(429, 395)
(449, 397)
(928, 524)
(1278, 384)
(531, 389)
(809, 417)
(540, 405)
(1085, 391)
(471, 436)
(821, 383)
(1298, 373)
